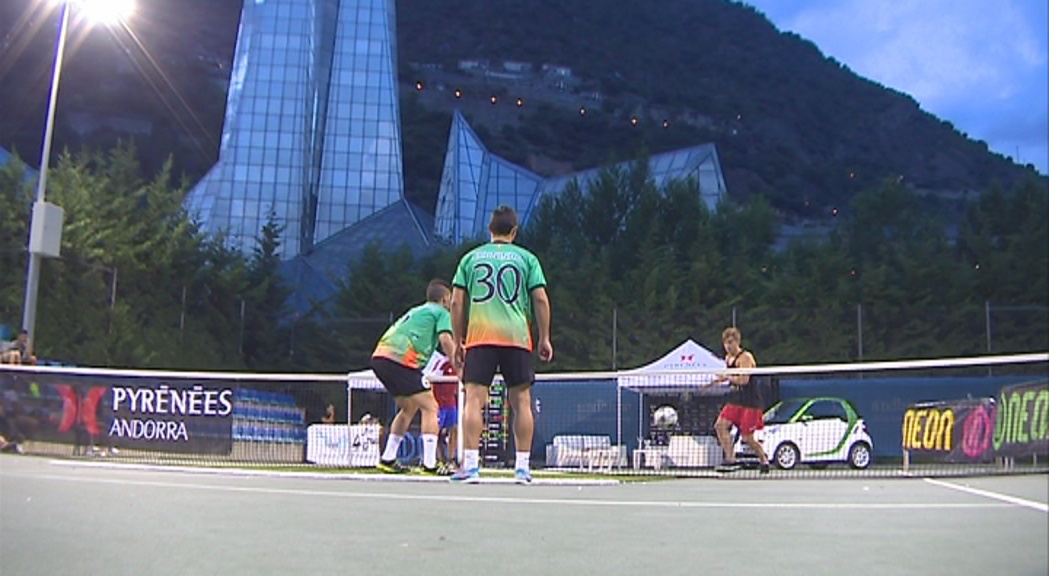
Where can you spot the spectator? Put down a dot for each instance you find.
(17, 352)
(8, 354)
(329, 415)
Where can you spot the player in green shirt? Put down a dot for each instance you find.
(399, 357)
(496, 290)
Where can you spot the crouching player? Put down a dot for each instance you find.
(402, 351)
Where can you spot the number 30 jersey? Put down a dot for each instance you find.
(499, 278)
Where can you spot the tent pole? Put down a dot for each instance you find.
(349, 421)
(619, 415)
(640, 416)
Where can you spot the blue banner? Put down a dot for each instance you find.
(115, 413)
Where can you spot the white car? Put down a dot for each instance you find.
(813, 431)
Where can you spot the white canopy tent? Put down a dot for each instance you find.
(686, 368)
(363, 380)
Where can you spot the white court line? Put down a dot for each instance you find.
(356, 476)
(1041, 507)
(520, 500)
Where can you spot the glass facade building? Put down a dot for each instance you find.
(312, 135)
(312, 129)
(475, 181)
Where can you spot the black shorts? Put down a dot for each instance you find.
(517, 365)
(398, 379)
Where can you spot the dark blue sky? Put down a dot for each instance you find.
(983, 65)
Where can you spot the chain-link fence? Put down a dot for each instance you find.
(833, 334)
(618, 338)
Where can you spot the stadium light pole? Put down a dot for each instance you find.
(95, 11)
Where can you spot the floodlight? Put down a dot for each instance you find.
(106, 11)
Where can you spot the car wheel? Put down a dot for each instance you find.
(786, 456)
(860, 455)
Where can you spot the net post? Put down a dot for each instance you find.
(906, 461)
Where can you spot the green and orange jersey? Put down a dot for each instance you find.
(413, 337)
(499, 278)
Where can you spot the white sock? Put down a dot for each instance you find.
(430, 450)
(523, 459)
(470, 458)
(393, 443)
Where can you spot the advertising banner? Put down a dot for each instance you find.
(956, 431)
(1022, 426)
(171, 416)
(101, 412)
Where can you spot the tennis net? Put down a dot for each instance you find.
(931, 417)
(946, 416)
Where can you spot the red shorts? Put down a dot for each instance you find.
(746, 419)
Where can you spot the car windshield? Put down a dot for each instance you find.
(781, 414)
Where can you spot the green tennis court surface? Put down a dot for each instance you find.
(62, 518)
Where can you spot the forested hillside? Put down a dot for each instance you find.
(791, 125)
(137, 285)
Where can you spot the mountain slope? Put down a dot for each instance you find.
(790, 123)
